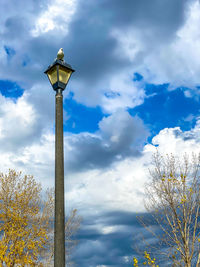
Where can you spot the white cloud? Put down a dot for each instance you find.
(174, 140)
(177, 62)
(17, 121)
(130, 43)
(174, 61)
(35, 159)
(119, 188)
(54, 18)
(123, 92)
(25, 119)
(109, 229)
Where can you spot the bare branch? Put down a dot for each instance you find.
(173, 199)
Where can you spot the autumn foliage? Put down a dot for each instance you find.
(148, 261)
(26, 222)
(24, 229)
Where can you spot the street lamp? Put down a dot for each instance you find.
(59, 74)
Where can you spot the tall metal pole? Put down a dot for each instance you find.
(59, 226)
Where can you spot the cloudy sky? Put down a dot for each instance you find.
(135, 89)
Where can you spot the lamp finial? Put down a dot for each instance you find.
(60, 54)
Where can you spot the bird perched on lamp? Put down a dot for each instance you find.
(60, 54)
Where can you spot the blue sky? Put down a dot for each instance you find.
(135, 89)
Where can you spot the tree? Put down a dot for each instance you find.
(26, 222)
(173, 199)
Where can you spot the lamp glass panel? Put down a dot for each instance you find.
(52, 74)
(64, 74)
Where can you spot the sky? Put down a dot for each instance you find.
(135, 89)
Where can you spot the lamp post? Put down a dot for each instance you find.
(59, 73)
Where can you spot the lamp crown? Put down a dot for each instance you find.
(60, 54)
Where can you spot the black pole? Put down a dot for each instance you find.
(59, 225)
